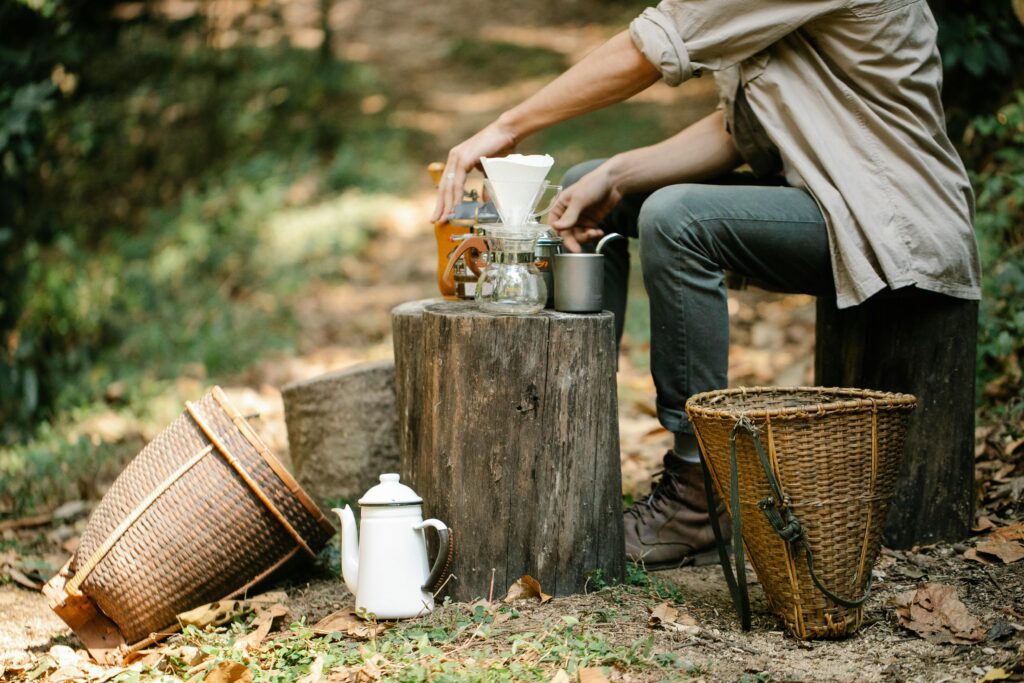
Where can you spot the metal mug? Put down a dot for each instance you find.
(579, 281)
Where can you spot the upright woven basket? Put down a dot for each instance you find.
(836, 454)
(203, 513)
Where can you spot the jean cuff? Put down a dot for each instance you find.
(674, 420)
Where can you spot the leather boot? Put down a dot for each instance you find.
(671, 527)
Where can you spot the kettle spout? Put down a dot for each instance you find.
(349, 548)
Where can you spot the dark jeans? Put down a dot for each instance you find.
(689, 235)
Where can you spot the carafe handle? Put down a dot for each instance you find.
(445, 551)
(447, 280)
(554, 197)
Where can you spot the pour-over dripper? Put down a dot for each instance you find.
(516, 201)
(516, 181)
(518, 167)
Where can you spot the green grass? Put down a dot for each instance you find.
(457, 642)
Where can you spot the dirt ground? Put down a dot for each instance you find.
(772, 339)
(343, 324)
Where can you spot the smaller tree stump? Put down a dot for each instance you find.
(342, 431)
(924, 344)
(508, 427)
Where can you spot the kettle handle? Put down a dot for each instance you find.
(445, 551)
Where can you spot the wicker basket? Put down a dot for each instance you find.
(203, 513)
(834, 455)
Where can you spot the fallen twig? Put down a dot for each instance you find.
(26, 522)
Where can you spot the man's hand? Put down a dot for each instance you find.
(494, 140)
(580, 209)
(612, 73)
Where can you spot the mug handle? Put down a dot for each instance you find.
(445, 551)
(447, 280)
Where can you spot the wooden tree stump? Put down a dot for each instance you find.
(924, 344)
(508, 429)
(342, 431)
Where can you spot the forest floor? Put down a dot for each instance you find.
(668, 625)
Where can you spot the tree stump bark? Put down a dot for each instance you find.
(342, 431)
(508, 429)
(923, 344)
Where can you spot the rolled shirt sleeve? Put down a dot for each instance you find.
(658, 39)
(682, 37)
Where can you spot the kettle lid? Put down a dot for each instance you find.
(390, 492)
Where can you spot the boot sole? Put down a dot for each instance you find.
(706, 558)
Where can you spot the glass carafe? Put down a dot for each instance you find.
(511, 284)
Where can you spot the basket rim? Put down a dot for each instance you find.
(268, 456)
(856, 399)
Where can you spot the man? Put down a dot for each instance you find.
(842, 98)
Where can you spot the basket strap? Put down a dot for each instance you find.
(737, 585)
(71, 587)
(780, 515)
(222, 447)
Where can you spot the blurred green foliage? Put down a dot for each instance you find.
(999, 182)
(139, 169)
(982, 47)
(500, 63)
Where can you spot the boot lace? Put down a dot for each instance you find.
(663, 490)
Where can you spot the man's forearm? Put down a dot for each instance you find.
(699, 152)
(613, 72)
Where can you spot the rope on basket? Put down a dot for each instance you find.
(780, 516)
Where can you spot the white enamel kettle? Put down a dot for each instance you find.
(387, 567)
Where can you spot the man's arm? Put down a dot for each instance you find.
(700, 151)
(611, 73)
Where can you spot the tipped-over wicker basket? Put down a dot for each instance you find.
(815, 472)
(203, 513)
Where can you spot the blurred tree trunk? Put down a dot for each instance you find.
(325, 26)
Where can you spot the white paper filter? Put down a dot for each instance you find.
(516, 181)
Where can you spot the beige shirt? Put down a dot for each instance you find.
(848, 92)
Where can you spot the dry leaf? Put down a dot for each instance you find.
(647, 408)
(262, 625)
(592, 675)
(669, 618)
(1007, 551)
(22, 580)
(561, 677)
(229, 672)
(1013, 532)
(347, 622)
(342, 674)
(253, 640)
(934, 612)
(995, 675)
(526, 588)
(972, 554)
(371, 670)
(223, 611)
(662, 613)
(71, 510)
(212, 614)
(984, 524)
(316, 671)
